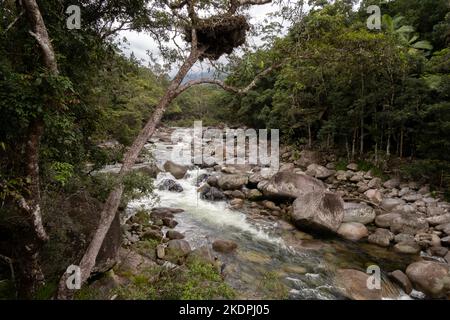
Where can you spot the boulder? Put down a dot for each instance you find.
(438, 251)
(152, 234)
(402, 280)
(232, 181)
(353, 231)
(169, 223)
(212, 194)
(352, 167)
(426, 240)
(237, 194)
(224, 246)
(254, 194)
(170, 185)
(287, 184)
(358, 212)
(318, 211)
(409, 224)
(174, 235)
(437, 220)
(178, 171)
(385, 220)
(375, 183)
(407, 247)
(353, 284)
(389, 204)
(403, 237)
(176, 250)
(381, 237)
(318, 171)
(392, 183)
(374, 196)
(432, 278)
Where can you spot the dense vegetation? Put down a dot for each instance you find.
(380, 96)
(377, 95)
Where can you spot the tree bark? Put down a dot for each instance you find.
(30, 275)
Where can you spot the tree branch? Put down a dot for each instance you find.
(226, 87)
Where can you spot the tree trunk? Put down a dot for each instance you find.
(401, 142)
(30, 275)
(112, 203)
(309, 136)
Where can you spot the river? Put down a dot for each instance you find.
(270, 262)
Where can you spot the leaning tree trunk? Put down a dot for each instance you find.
(30, 275)
(87, 262)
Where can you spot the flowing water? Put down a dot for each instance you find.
(270, 262)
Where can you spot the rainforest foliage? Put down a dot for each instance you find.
(372, 94)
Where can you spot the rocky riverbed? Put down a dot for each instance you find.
(313, 228)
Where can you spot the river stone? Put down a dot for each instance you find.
(402, 280)
(385, 220)
(160, 251)
(389, 204)
(237, 203)
(318, 211)
(438, 251)
(432, 278)
(352, 167)
(437, 220)
(170, 185)
(358, 212)
(212, 181)
(152, 234)
(254, 195)
(173, 235)
(353, 284)
(375, 183)
(407, 247)
(374, 196)
(286, 184)
(435, 211)
(231, 181)
(237, 194)
(211, 193)
(409, 224)
(353, 231)
(176, 249)
(318, 171)
(224, 246)
(413, 197)
(178, 171)
(392, 183)
(444, 228)
(403, 237)
(169, 223)
(381, 237)
(426, 240)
